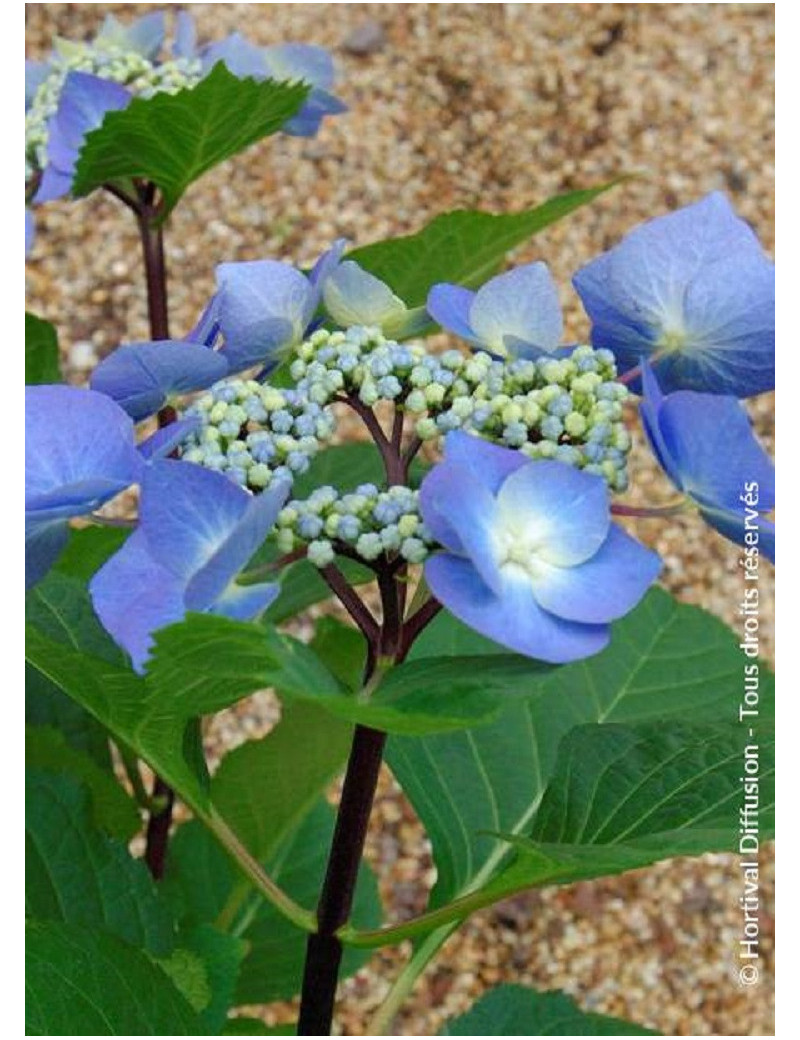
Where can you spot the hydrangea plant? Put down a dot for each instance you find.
(549, 712)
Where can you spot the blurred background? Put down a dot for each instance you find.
(496, 106)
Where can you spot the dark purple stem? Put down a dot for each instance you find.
(324, 949)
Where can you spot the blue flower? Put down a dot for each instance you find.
(143, 36)
(516, 314)
(264, 307)
(141, 377)
(353, 296)
(82, 106)
(285, 62)
(79, 453)
(531, 558)
(706, 446)
(196, 532)
(693, 292)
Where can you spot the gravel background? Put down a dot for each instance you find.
(496, 106)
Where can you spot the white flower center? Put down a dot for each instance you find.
(520, 552)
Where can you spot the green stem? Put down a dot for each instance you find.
(381, 1022)
(255, 873)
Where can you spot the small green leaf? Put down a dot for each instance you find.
(41, 351)
(302, 587)
(113, 810)
(343, 650)
(172, 139)
(81, 982)
(221, 955)
(518, 1011)
(88, 549)
(465, 247)
(78, 875)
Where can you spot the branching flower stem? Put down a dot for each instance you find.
(386, 647)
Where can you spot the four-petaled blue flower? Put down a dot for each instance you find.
(706, 446)
(531, 558)
(79, 453)
(694, 293)
(263, 308)
(196, 532)
(516, 314)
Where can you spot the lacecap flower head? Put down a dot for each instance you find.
(694, 293)
(530, 557)
(706, 446)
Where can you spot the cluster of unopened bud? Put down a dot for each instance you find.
(109, 61)
(567, 408)
(255, 433)
(367, 522)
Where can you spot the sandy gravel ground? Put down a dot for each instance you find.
(496, 106)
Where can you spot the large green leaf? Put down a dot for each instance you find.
(269, 792)
(265, 787)
(215, 654)
(666, 661)
(205, 968)
(81, 982)
(201, 883)
(172, 139)
(113, 810)
(47, 705)
(273, 968)
(41, 351)
(518, 1011)
(77, 875)
(465, 246)
(622, 797)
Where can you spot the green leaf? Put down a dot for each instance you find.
(342, 649)
(265, 787)
(518, 1011)
(665, 661)
(255, 1027)
(157, 722)
(622, 797)
(302, 587)
(59, 607)
(345, 466)
(269, 792)
(220, 657)
(77, 875)
(201, 881)
(465, 247)
(89, 983)
(47, 705)
(172, 139)
(113, 810)
(221, 955)
(41, 351)
(88, 549)
(273, 969)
